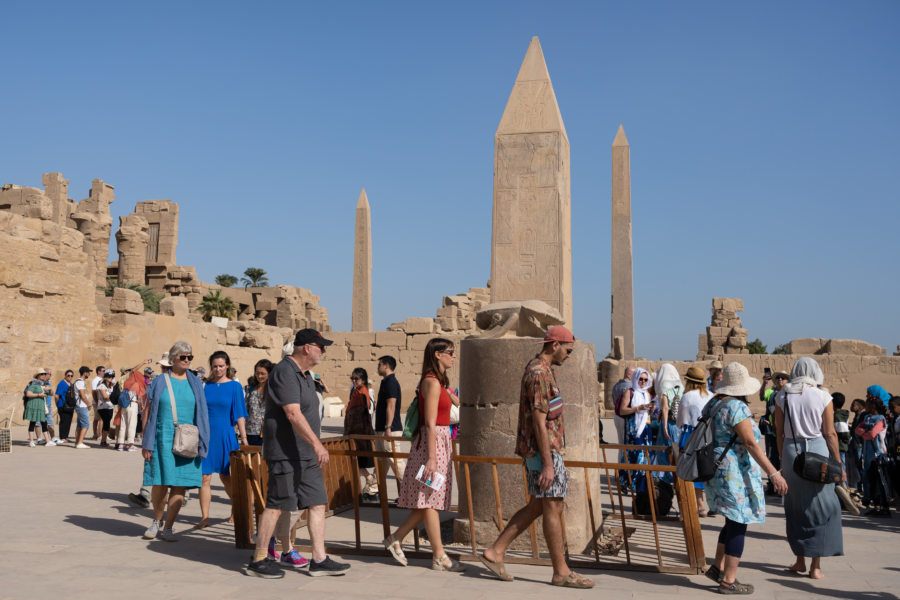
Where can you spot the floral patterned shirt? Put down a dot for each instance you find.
(736, 490)
(539, 392)
(256, 411)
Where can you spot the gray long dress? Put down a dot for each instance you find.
(812, 510)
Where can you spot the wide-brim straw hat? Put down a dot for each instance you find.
(695, 374)
(716, 364)
(164, 361)
(736, 381)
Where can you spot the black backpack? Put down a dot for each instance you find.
(71, 400)
(114, 394)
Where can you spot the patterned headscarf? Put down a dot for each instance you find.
(640, 396)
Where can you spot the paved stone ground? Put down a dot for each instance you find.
(69, 531)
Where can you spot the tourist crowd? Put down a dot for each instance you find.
(188, 422)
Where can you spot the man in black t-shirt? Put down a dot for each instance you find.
(295, 456)
(387, 415)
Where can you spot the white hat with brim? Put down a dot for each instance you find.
(164, 361)
(736, 381)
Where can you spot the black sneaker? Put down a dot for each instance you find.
(267, 569)
(327, 567)
(138, 500)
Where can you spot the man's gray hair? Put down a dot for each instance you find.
(179, 347)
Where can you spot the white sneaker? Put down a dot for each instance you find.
(32, 444)
(153, 530)
(133, 449)
(57, 441)
(81, 446)
(50, 443)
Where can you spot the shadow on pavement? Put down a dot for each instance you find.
(107, 526)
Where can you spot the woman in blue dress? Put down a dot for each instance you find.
(736, 490)
(636, 411)
(668, 387)
(165, 471)
(225, 400)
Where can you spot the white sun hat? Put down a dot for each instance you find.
(736, 381)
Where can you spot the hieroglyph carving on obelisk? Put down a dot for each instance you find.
(362, 267)
(622, 289)
(531, 253)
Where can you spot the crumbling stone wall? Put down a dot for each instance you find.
(457, 312)
(726, 334)
(131, 242)
(92, 218)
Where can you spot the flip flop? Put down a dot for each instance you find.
(574, 580)
(497, 568)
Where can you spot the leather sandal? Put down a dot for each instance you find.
(445, 563)
(735, 587)
(396, 551)
(497, 568)
(574, 580)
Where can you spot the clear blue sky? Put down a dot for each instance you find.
(764, 145)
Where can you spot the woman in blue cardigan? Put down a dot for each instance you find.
(163, 469)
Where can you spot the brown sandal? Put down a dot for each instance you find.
(497, 568)
(574, 580)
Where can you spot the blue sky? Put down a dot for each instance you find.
(764, 145)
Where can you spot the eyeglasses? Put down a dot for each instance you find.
(643, 380)
(354, 379)
(319, 346)
(69, 375)
(186, 357)
(781, 377)
(450, 352)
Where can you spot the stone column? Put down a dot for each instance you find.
(622, 289)
(93, 219)
(490, 382)
(131, 242)
(57, 189)
(362, 267)
(531, 244)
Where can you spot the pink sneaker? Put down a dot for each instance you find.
(293, 559)
(273, 553)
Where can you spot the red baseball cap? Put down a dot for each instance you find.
(559, 333)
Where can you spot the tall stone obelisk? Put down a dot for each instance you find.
(531, 243)
(362, 267)
(622, 289)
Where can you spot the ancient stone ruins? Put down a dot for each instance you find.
(54, 314)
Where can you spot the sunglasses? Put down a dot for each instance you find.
(69, 375)
(354, 379)
(185, 357)
(643, 380)
(449, 352)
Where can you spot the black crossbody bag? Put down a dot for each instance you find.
(812, 466)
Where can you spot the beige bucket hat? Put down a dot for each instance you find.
(736, 381)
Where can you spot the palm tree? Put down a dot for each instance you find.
(226, 280)
(254, 277)
(150, 298)
(214, 304)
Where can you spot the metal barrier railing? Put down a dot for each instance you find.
(342, 470)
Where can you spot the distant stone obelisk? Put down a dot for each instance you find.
(622, 289)
(362, 267)
(531, 245)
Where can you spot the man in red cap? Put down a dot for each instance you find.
(541, 442)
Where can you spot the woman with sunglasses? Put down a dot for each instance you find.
(64, 414)
(635, 409)
(358, 421)
(430, 451)
(167, 472)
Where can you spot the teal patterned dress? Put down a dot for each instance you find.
(736, 491)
